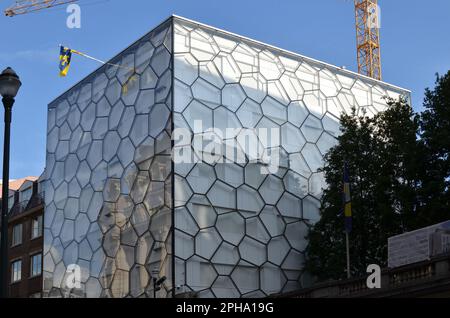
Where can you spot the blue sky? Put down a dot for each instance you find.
(414, 37)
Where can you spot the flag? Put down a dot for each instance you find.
(65, 56)
(347, 201)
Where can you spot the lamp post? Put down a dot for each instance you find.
(9, 86)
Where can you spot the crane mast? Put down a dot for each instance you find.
(27, 6)
(368, 38)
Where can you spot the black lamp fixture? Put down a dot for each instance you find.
(9, 84)
(9, 87)
(157, 284)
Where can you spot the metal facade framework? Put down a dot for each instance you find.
(122, 210)
(368, 38)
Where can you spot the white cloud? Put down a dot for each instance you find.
(45, 55)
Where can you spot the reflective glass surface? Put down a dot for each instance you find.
(109, 195)
(240, 225)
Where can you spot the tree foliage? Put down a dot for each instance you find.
(435, 137)
(399, 167)
(383, 158)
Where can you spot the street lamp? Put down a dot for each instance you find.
(157, 284)
(9, 86)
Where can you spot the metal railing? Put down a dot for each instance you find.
(423, 276)
(20, 207)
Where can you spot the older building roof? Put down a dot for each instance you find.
(15, 185)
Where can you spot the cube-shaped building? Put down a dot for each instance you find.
(197, 160)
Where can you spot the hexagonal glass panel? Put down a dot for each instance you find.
(272, 221)
(232, 96)
(296, 184)
(256, 230)
(249, 113)
(209, 72)
(290, 206)
(186, 68)
(206, 242)
(246, 278)
(223, 287)
(206, 93)
(201, 178)
(253, 251)
(297, 235)
(255, 86)
(278, 248)
(312, 129)
(202, 212)
(229, 173)
(249, 199)
(271, 189)
(222, 195)
(231, 227)
(185, 245)
(227, 67)
(274, 110)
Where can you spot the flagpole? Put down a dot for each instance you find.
(100, 61)
(347, 216)
(347, 243)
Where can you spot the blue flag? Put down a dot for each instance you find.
(65, 56)
(347, 201)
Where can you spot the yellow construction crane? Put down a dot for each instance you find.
(27, 6)
(368, 38)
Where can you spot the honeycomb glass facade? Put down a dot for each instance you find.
(247, 126)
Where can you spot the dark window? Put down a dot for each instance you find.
(36, 265)
(36, 230)
(16, 271)
(17, 235)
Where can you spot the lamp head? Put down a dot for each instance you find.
(161, 280)
(9, 83)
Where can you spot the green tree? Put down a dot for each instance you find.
(381, 155)
(435, 137)
(402, 166)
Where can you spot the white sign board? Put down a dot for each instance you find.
(419, 245)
